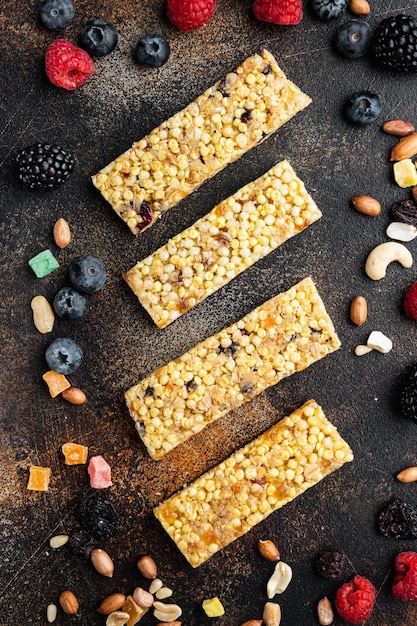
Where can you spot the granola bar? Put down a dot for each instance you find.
(217, 128)
(284, 335)
(233, 236)
(229, 500)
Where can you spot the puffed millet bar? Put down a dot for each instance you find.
(237, 113)
(229, 500)
(233, 236)
(284, 335)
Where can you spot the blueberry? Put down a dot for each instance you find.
(152, 51)
(87, 274)
(98, 38)
(64, 356)
(328, 9)
(363, 107)
(70, 304)
(57, 14)
(353, 38)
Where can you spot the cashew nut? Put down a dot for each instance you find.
(384, 254)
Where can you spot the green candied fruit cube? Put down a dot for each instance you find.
(43, 263)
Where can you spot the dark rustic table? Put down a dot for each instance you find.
(98, 121)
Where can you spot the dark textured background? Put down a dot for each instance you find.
(98, 121)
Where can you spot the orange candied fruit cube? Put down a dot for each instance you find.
(74, 453)
(39, 478)
(57, 383)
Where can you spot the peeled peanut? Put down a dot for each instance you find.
(62, 233)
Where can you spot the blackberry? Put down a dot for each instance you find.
(363, 107)
(395, 43)
(408, 395)
(43, 166)
(398, 520)
(330, 564)
(152, 51)
(328, 9)
(353, 38)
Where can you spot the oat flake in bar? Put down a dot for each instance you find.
(284, 335)
(227, 501)
(233, 236)
(230, 118)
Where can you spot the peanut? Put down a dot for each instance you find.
(62, 233)
(73, 395)
(268, 550)
(253, 622)
(408, 475)
(358, 310)
(272, 614)
(43, 314)
(325, 612)
(359, 7)
(102, 562)
(143, 598)
(111, 603)
(147, 567)
(166, 612)
(68, 602)
(399, 128)
(405, 148)
(170, 623)
(367, 205)
(117, 618)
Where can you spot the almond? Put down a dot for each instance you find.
(367, 205)
(68, 602)
(408, 475)
(73, 395)
(268, 550)
(399, 128)
(147, 567)
(358, 310)
(111, 603)
(359, 7)
(405, 148)
(62, 233)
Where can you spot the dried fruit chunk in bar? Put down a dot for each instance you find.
(229, 500)
(217, 128)
(284, 335)
(218, 247)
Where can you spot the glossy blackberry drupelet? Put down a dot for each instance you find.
(57, 14)
(395, 43)
(408, 395)
(70, 304)
(44, 166)
(152, 51)
(87, 274)
(328, 9)
(363, 107)
(98, 38)
(353, 38)
(398, 520)
(64, 356)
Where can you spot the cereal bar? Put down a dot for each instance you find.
(229, 500)
(230, 118)
(218, 247)
(284, 335)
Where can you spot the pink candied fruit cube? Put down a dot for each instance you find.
(100, 473)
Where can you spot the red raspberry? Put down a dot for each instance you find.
(355, 600)
(67, 65)
(278, 11)
(404, 585)
(190, 14)
(410, 302)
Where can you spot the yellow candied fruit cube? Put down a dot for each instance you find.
(405, 173)
(39, 478)
(134, 611)
(74, 453)
(213, 607)
(57, 383)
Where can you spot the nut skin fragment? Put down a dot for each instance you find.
(384, 254)
(325, 612)
(112, 603)
(405, 148)
(358, 310)
(62, 233)
(73, 395)
(268, 550)
(408, 475)
(359, 7)
(272, 614)
(367, 205)
(102, 562)
(69, 603)
(399, 128)
(147, 567)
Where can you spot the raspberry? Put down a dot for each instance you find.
(404, 585)
(67, 65)
(410, 302)
(355, 600)
(284, 12)
(190, 14)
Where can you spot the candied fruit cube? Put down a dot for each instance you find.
(135, 611)
(100, 473)
(57, 383)
(74, 453)
(213, 607)
(405, 173)
(39, 478)
(43, 263)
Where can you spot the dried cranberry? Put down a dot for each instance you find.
(329, 564)
(246, 116)
(405, 211)
(146, 213)
(98, 516)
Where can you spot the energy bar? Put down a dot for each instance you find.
(284, 335)
(237, 113)
(233, 236)
(229, 500)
